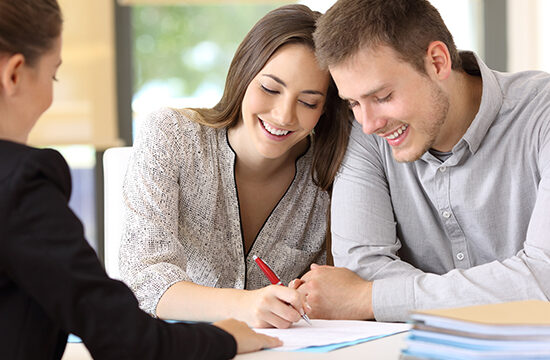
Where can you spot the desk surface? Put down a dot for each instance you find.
(387, 348)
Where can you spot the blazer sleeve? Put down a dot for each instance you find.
(45, 253)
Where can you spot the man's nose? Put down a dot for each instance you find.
(370, 122)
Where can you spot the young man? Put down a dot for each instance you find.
(443, 198)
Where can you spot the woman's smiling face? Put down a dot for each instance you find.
(284, 102)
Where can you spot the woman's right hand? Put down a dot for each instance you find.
(247, 339)
(272, 306)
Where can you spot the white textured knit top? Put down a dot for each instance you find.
(182, 218)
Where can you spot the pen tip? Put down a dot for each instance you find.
(254, 257)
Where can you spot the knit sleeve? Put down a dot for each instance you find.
(151, 256)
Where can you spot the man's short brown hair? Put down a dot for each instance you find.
(407, 26)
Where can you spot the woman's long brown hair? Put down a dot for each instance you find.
(284, 25)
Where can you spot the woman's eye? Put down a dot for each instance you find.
(311, 106)
(268, 90)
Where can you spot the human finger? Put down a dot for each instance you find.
(273, 318)
(268, 342)
(295, 284)
(247, 339)
(292, 297)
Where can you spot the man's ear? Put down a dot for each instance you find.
(438, 60)
(11, 73)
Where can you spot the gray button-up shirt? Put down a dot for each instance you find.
(472, 229)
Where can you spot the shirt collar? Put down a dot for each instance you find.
(491, 101)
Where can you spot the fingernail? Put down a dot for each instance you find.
(302, 312)
(291, 283)
(308, 307)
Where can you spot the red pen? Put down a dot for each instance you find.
(273, 278)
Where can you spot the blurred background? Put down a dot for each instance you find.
(125, 58)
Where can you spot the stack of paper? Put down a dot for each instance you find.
(513, 330)
(323, 335)
(328, 335)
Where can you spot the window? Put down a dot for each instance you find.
(464, 19)
(528, 35)
(182, 53)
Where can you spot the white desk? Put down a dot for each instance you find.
(387, 348)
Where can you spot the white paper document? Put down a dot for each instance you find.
(328, 332)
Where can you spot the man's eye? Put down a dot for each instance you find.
(384, 99)
(352, 104)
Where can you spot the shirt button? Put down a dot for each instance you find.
(446, 214)
(460, 256)
(442, 169)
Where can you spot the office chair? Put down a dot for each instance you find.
(115, 163)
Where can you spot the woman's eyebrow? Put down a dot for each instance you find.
(277, 79)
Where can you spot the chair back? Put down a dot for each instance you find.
(115, 163)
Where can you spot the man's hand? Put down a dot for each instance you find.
(335, 293)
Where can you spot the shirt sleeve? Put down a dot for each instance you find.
(364, 237)
(151, 256)
(46, 255)
(365, 240)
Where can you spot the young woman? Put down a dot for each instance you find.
(51, 282)
(207, 189)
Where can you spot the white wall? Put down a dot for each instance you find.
(528, 35)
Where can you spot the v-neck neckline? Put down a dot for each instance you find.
(298, 169)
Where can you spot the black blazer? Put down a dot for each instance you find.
(51, 282)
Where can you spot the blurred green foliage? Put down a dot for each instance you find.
(189, 46)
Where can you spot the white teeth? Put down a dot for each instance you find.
(274, 131)
(397, 132)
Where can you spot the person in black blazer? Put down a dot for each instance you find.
(51, 282)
